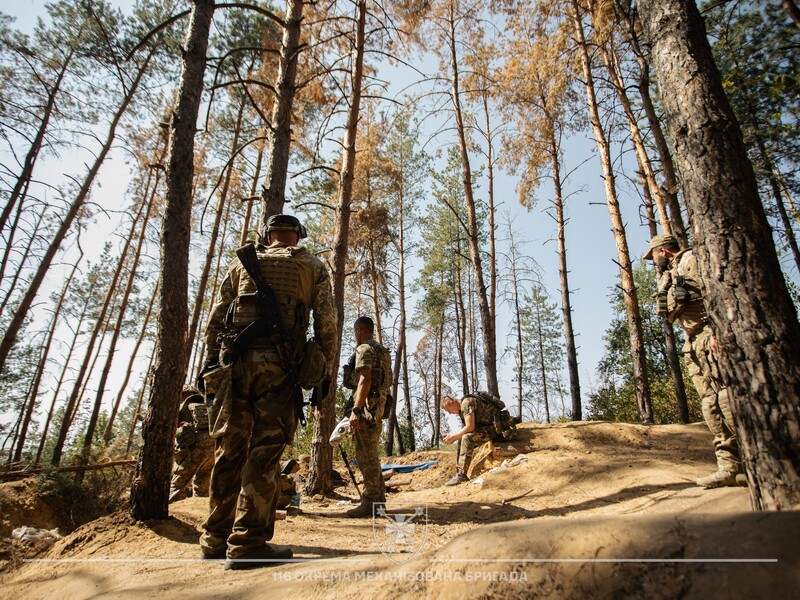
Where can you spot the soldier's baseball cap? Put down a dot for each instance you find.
(658, 241)
(286, 223)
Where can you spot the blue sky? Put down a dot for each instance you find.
(590, 244)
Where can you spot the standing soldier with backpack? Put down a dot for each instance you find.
(485, 419)
(371, 378)
(258, 360)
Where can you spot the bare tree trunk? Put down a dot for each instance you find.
(212, 244)
(487, 317)
(642, 385)
(749, 306)
(26, 253)
(670, 189)
(116, 332)
(117, 403)
(566, 303)
(439, 372)
(520, 358)
(150, 489)
(281, 127)
(490, 193)
(148, 377)
(402, 344)
(99, 327)
(31, 404)
(36, 145)
(10, 336)
(542, 366)
(62, 377)
(319, 479)
(249, 210)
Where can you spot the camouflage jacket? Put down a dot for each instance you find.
(302, 286)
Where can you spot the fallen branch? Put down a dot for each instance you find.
(27, 472)
(507, 500)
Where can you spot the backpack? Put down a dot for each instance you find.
(503, 424)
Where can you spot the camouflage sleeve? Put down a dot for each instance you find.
(325, 314)
(467, 406)
(216, 320)
(365, 357)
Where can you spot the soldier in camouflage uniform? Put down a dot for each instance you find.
(680, 296)
(479, 411)
(194, 448)
(245, 481)
(372, 380)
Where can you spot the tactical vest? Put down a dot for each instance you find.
(682, 297)
(199, 416)
(284, 273)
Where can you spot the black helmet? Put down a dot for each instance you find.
(286, 223)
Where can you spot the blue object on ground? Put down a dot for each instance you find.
(409, 468)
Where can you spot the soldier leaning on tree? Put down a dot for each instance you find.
(680, 296)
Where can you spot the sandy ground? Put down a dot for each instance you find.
(601, 510)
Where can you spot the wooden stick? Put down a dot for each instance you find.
(507, 500)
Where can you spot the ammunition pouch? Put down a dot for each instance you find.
(313, 367)
(219, 399)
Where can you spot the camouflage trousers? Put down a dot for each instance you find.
(467, 446)
(245, 481)
(715, 402)
(192, 465)
(367, 437)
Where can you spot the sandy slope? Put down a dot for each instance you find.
(598, 496)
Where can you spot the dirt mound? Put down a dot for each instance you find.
(586, 492)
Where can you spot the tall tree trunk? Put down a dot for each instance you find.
(490, 193)
(325, 419)
(520, 355)
(281, 127)
(670, 188)
(487, 317)
(402, 344)
(253, 188)
(150, 489)
(148, 377)
(749, 306)
(99, 327)
(542, 366)
(116, 332)
(643, 400)
(212, 243)
(10, 336)
(36, 145)
(31, 404)
(129, 369)
(25, 253)
(63, 375)
(566, 302)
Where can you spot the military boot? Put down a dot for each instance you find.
(459, 477)
(718, 479)
(267, 556)
(361, 511)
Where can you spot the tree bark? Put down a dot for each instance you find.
(150, 489)
(749, 307)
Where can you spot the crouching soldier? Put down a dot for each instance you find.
(485, 419)
(194, 448)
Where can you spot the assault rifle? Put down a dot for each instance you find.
(269, 324)
(342, 429)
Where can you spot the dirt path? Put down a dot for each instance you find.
(596, 493)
